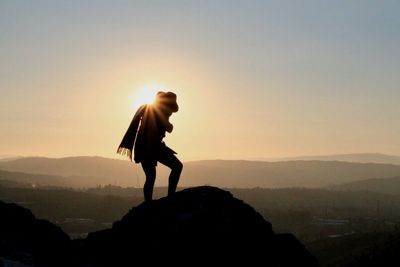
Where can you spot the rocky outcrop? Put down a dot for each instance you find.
(26, 239)
(197, 226)
(200, 226)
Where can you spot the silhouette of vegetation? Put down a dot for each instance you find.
(359, 250)
(389, 185)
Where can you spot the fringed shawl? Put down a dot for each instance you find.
(126, 146)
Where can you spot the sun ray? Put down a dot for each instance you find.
(145, 95)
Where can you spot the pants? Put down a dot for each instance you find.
(167, 158)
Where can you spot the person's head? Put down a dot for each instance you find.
(167, 101)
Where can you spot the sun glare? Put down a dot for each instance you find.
(145, 95)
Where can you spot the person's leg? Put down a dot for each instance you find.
(150, 171)
(171, 161)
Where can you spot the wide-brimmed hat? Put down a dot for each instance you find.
(167, 99)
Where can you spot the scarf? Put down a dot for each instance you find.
(126, 146)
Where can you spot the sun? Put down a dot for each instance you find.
(145, 95)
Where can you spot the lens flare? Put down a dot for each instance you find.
(145, 95)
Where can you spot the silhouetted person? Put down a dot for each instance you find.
(145, 134)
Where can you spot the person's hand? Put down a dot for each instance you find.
(170, 127)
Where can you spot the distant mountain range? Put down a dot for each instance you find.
(9, 157)
(20, 179)
(76, 171)
(310, 174)
(93, 171)
(356, 157)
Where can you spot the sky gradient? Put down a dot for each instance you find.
(253, 78)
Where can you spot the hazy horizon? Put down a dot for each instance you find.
(119, 157)
(254, 79)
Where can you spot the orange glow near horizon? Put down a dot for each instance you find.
(242, 93)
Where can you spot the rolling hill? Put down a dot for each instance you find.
(284, 174)
(77, 171)
(24, 179)
(355, 157)
(92, 171)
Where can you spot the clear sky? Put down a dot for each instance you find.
(253, 78)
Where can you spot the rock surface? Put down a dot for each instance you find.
(26, 239)
(196, 227)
